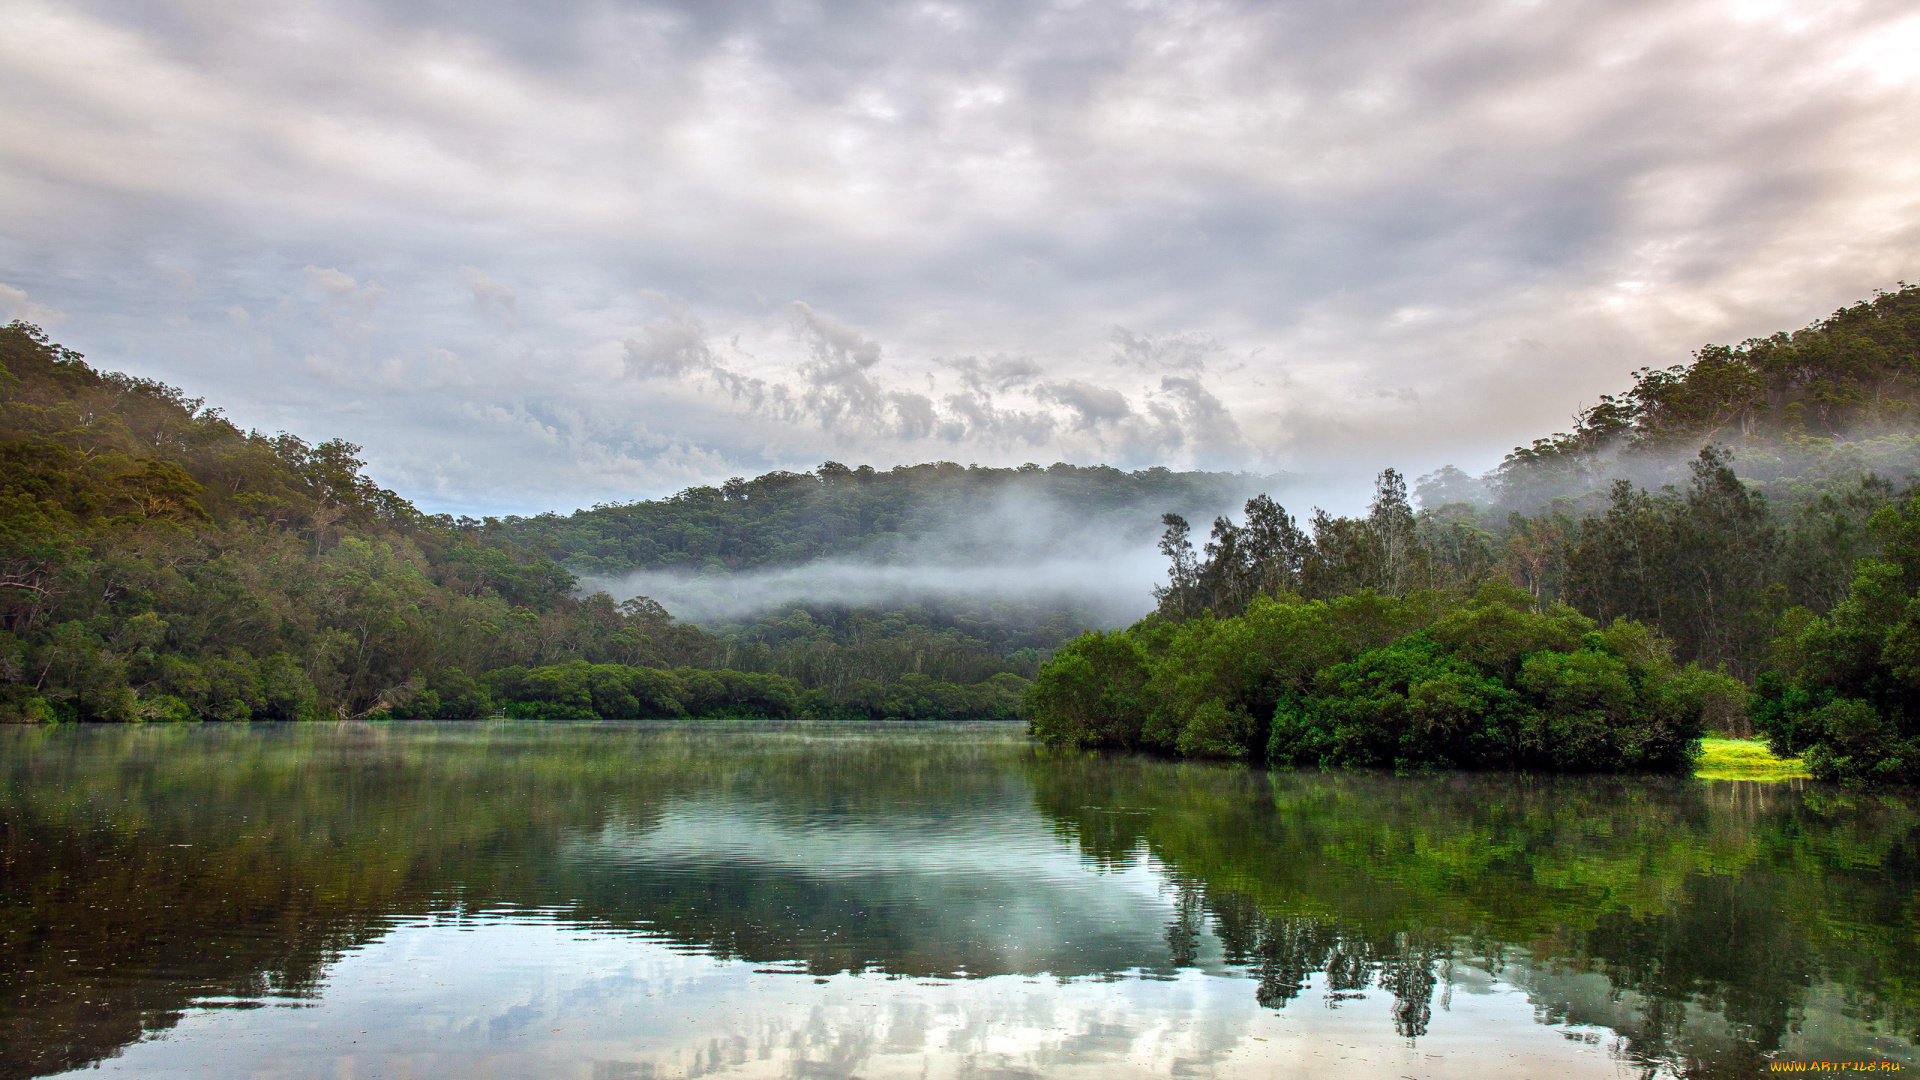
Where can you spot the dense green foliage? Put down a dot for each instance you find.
(578, 690)
(833, 648)
(1710, 565)
(1373, 680)
(1802, 437)
(936, 514)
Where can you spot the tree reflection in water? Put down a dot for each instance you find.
(1718, 913)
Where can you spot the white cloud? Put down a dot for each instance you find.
(490, 296)
(342, 290)
(16, 304)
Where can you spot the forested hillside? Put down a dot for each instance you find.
(1712, 517)
(1795, 410)
(157, 562)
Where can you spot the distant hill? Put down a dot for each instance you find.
(156, 561)
(1834, 399)
(972, 514)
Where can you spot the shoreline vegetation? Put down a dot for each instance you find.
(1733, 545)
(1746, 759)
(1374, 681)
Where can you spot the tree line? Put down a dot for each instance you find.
(1366, 679)
(1712, 564)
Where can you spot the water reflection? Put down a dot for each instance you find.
(607, 900)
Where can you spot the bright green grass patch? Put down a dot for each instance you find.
(1744, 759)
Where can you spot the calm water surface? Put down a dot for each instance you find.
(602, 901)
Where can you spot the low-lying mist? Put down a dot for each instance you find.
(1787, 471)
(1027, 549)
(1112, 588)
(1023, 548)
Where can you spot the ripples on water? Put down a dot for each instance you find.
(599, 901)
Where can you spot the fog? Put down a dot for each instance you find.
(1018, 547)
(1584, 480)
(1111, 588)
(1025, 548)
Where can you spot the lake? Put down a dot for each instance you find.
(627, 900)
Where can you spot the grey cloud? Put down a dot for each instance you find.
(999, 373)
(915, 414)
(349, 307)
(840, 388)
(837, 349)
(837, 391)
(974, 413)
(182, 281)
(1091, 405)
(670, 348)
(1205, 419)
(676, 346)
(1168, 352)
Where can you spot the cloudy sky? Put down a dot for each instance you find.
(542, 255)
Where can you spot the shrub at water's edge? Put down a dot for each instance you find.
(1370, 680)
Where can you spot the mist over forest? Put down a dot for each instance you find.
(1076, 540)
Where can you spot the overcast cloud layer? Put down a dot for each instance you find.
(537, 256)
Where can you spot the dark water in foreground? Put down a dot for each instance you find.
(601, 901)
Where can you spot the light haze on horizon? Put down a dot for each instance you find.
(540, 257)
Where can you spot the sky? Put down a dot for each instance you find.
(539, 256)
